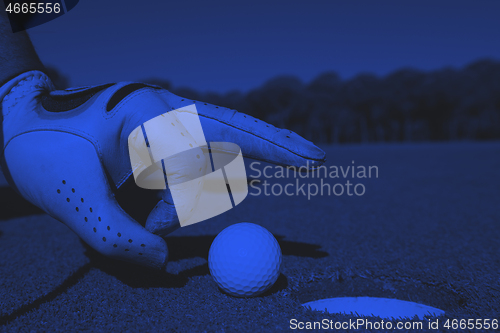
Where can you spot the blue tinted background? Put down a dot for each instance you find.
(225, 45)
(427, 229)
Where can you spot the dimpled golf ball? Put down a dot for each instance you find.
(245, 260)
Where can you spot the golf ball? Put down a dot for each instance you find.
(245, 260)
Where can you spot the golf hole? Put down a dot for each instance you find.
(384, 297)
(374, 306)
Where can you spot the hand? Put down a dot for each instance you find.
(67, 153)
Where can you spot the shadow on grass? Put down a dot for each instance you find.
(186, 247)
(280, 284)
(13, 205)
(135, 276)
(68, 283)
(300, 249)
(181, 248)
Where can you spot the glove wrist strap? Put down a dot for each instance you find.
(21, 86)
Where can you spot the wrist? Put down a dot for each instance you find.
(21, 86)
(17, 54)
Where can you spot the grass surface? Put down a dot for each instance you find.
(427, 230)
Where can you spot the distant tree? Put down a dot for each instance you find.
(406, 105)
(402, 92)
(327, 84)
(283, 95)
(360, 95)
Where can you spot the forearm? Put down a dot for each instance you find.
(17, 54)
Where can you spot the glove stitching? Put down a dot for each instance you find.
(14, 89)
(220, 120)
(260, 137)
(247, 131)
(18, 86)
(63, 129)
(109, 115)
(125, 177)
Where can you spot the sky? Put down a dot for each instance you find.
(224, 45)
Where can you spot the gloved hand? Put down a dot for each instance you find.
(67, 153)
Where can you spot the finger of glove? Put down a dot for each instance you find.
(257, 139)
(70, 184)
(163, 219)
(164, 144)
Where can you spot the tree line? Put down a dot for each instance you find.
(406, 105)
